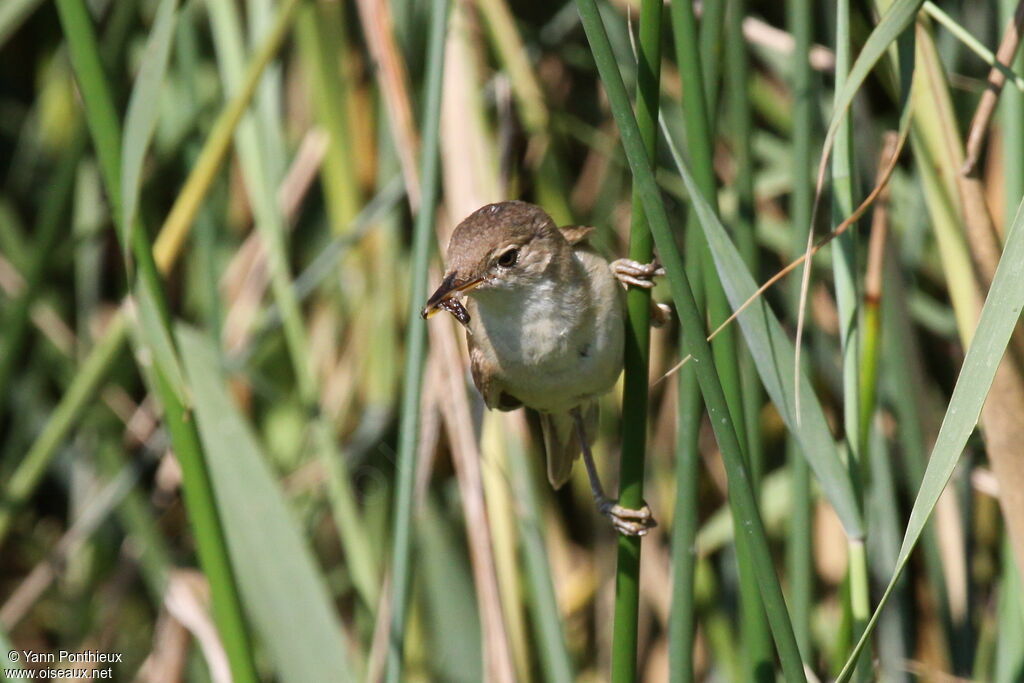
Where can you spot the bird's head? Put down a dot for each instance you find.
(505, 246)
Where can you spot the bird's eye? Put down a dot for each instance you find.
(508, 258)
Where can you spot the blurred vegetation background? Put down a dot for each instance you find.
(230, 450)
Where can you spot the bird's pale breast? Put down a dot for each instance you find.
(557, 343)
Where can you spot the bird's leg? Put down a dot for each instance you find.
(635, 274)
(625, 520)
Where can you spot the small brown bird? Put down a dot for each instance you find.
(545, 325)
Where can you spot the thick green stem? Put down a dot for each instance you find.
(844, 266)
(700, 138)
(635, 390)
(798, 548)
(416, 344)
(197, 486)
(741, 496)
(682, 620)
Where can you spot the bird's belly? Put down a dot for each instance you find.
(553, 366)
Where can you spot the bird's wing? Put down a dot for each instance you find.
(576, 234)
(484, 371)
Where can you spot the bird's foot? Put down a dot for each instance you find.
(636, 274)
(627, 521)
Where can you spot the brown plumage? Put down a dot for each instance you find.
(545, 316)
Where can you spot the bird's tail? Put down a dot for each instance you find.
(561, 443)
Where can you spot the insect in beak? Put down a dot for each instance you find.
(444, 298)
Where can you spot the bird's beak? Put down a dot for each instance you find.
(449, 287)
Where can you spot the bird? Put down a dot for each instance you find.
(544, 314)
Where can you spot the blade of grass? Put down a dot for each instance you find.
(773, 353)
(682, 625)
(262, 171)
(881, 515)
(883, 545)
(1003, 431)
(284, 592)
(844, 253)
(415, 347)
(709, 39)
(972, 43)
(1012, 119)
(844, 269)
(321, 36)
(740, 126)
(899, 15)
(267, 109)
(199, 496)
(999, 317)
(740, 493)
(800, 19)
(143, 110)
(95, 368)
(904, 375)
(637, 360)
(701, 143)
(698, 107)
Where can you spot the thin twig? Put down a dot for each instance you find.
(375, 17)
(989, 98)
(879, 232)
(811, 251)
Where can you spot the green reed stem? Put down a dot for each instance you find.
(740, 125)
(700, 139)
(1012, 119)
(973, 44)
(196, 484)
(416, 343)
(844, 267)
(637, 358)
(712, 25)
(168, 245)
(798, 546)
(682, 619)
(741, 496)
(321, 36)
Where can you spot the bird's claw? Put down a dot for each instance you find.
(636, 274)
(627, 521)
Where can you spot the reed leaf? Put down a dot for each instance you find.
(773, 355)
(283, 590)
(999, 316)
(143, 110)
(741, 496)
